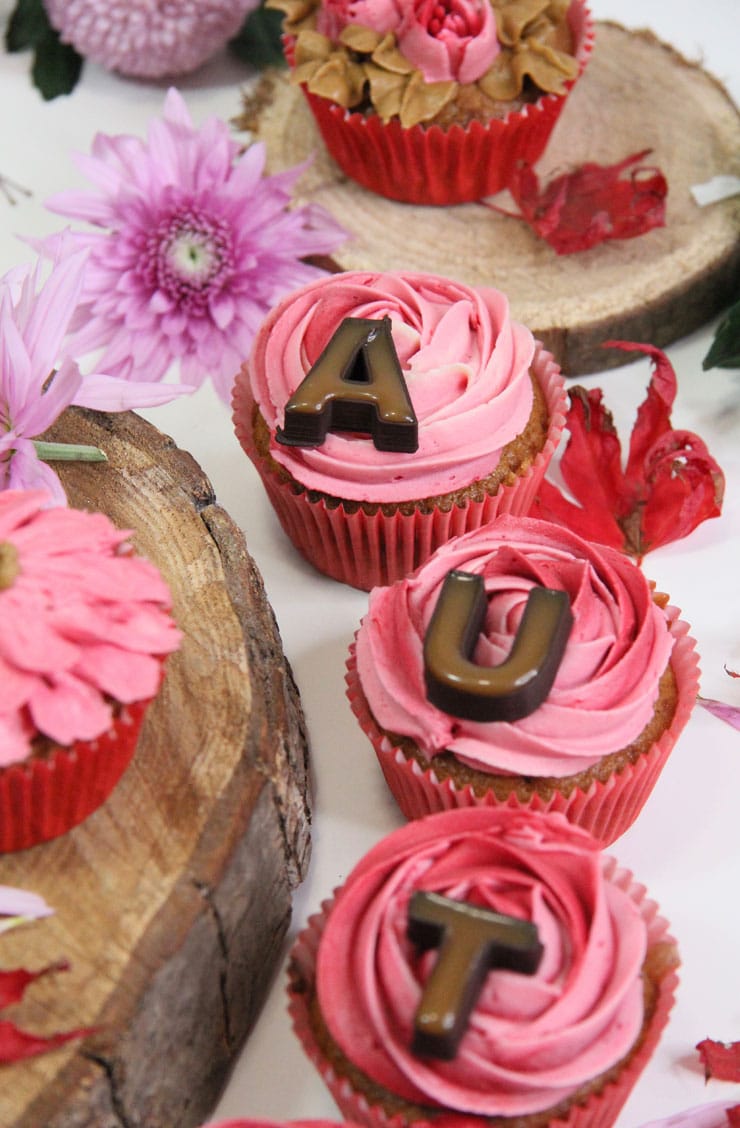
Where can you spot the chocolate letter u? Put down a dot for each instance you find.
(355, 385)
(492, 693)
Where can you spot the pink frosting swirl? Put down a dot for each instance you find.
(466, 365)
(532, 1040)
(607, 684)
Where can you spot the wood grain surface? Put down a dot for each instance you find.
(636, 93)
(172, 900)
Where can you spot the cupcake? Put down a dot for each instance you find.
(86, 627)
(489, 405)
(593, 747)
(435, 103)
(560, 1039)
(276, 1124)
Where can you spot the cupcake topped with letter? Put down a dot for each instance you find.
(86, 627)
(386, 413)
(435, 102)
(483, 967)
(524, 666)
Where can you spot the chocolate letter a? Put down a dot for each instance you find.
(355, 385)
(492, 693)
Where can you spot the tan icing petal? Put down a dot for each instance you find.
(502, 81)
(386, 91)
(310, 46)
(387, 55)
(295, 11)
(423, 100)
(339, 80)
(513, 17)
(358, 38)
(548, 69)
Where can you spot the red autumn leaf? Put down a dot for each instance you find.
(733, 1116)
(580, 209)
(669, 485)
(721, 1060)
(16, 1044)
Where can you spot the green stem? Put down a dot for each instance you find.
(68, 452)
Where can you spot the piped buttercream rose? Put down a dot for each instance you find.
(466, 366)
(605, 689)
(449, 39)
(532, 1040)
(334, 15)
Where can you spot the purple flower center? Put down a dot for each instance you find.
(189, 257)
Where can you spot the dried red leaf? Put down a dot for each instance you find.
(669, 485)
(721, 1060)
(732, 673)
(16, 1044)
(580, 209)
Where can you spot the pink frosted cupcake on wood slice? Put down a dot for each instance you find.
(483, 968)
(435, 103)
(86, 627)
(376, 360)
(479, 725)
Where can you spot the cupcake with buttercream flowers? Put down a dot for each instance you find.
(86, 629)
(483, 967)
(484, 404)
(590, 744)
(433, 102)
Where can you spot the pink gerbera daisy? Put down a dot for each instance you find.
(192, 247)
(148, 38)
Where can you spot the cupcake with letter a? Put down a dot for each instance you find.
(483, 967)
(86, 628)
(523, 666)
(435, 102)
(386, 413)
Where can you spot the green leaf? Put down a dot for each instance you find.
(259, 41)
(27, 25)
(725, 348)
(56, 66)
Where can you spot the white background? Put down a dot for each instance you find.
(685, 846)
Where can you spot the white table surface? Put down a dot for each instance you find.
(685, 846)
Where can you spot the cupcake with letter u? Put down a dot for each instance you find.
(524, 666)
(386, 413)
(483, 967)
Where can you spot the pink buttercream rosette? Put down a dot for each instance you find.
(605, 810)
(431, 165)
(88, 629)
(598, 1110)
(367, 549)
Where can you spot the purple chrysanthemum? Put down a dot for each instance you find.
(193, 246)
(148, 38)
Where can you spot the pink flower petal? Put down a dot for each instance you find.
(729, 713)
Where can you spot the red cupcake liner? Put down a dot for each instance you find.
(606, 809)
(369, 550)
(600, 1110)
(41, 799)
(431, 165)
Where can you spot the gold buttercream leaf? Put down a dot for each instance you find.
(311, 47)
(513, 16)
(548, 69)
(502, 81)
(422, 100)
(339, 80)
(296, 12)
(386, 91)
(387, 55)
(361, 39)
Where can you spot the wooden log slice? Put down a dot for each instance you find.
(171, 900)
(636, 93)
